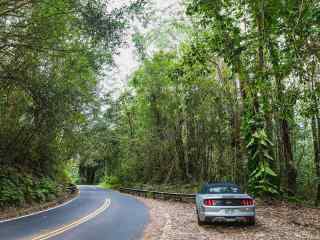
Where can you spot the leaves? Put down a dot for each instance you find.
(52, 57)
(262, 176)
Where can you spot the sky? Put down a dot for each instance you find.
(126, 61)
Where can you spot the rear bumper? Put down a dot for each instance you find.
(227, 214)
(229, 219)
(249, 213)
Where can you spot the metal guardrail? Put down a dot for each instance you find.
(182, 197)
(72, 188)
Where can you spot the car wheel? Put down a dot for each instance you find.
(252, 221)
(200, 223)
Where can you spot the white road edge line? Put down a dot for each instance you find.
(39, 212)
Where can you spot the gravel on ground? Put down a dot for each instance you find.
(177, 221)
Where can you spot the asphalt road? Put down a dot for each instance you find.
(96, 214)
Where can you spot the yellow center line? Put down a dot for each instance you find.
(72, 225)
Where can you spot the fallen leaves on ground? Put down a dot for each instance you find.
(177, 221)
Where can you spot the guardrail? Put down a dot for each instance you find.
(72, 188)
(182, 197)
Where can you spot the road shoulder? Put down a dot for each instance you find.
(177, 221)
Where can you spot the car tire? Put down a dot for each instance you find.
(252, 221)
(200, 223)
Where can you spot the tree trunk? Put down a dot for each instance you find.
(315, 126)
(186, 130)
(291, 171)
(316, 145)
(179, 145)
(285, 140)
(238, 146)
(317, 163)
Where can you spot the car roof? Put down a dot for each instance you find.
(207, 186)
(226, 184)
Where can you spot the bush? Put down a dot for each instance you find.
(17, 189)
(10, 193)
(111, 182)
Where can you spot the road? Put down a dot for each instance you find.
(96, 214)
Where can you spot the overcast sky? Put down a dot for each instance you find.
(126, 61)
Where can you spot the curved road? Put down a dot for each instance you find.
(96, 214)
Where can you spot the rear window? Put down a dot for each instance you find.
(220, 189)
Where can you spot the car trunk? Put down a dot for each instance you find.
(226, 199)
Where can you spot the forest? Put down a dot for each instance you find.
(236, 99)
(52, 57)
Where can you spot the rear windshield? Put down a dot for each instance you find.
(221, 189)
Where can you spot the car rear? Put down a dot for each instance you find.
(229, 207)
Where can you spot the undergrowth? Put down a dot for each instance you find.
(20, 188)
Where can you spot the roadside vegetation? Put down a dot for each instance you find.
(237, 100)
(52, 58)
(19, 188)
(224, 91)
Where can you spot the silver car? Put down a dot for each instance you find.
(218, 202)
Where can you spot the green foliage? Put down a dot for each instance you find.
(52, 57)
(233, 102)
(111, 182)
(261, 178)
(72, 171)
(244, 85)
(164, 131)
(19, 188)
(189, 114)
(265, 43)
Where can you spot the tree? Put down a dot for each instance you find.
(52, 55)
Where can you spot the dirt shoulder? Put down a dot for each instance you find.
(29, 209)
(177, 221)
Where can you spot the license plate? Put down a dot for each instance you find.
(231, 220)
(229, 211)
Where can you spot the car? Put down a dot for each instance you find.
(224, 202)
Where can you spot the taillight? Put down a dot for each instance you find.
(247, 202)
(209, 202)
